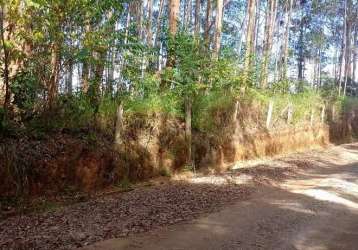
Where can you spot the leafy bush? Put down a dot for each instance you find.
(76, 111)
(106, 115)
(345, 104)
(166, 102)
(26, 90)
(71, 112)
(210, 110)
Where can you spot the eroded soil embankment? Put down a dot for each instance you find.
(147, 208)
(31, 166)
(313, 206)
(61, 163)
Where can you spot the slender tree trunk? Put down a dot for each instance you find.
(85, 77)
(158, 31)
(347, 60)
(187, 15)
(347, 65)
(300, 69)
(218, 28)
(340, 65)
(188, 135)
(188, 21)
(207, 24)
(159, 19)
(69, 78)
(111, 56)
(269, 31)
(197, 18)
(128, 20)
(319, 68)
(6, 61)
(250, 37)
(160, 57)
(355, 54)
(137, 13)
(173, 26)
(257, 27)
(120, 86)
(85, 64)
(315, 72)
(284, 57)
(52, 84)
(173, 16)
(149, 23)
(110, 69)
(301, 59)
(276, 67)
(344, 50)
(243, 27)
(13, 54)
(118, 140)
(336, 62)
(101, 57)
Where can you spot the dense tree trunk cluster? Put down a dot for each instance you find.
(135, 49)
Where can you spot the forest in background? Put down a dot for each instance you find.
(124, 116)
(81, 65)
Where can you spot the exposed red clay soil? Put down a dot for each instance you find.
(49, 165)
(286, 203)
(313, 206)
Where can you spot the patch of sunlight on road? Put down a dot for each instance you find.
(341, 185)
(329, 189)
(293, 206)
(259, 162)
(302, 245)
(222, 179)
(329, 196)
(214, 228)
(347, 157)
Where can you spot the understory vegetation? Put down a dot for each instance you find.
(165, 83)
(76, 112)
(70, 65)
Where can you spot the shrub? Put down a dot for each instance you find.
(212, 110)
(166, 102)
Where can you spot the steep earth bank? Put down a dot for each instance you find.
(301, 201)
(151, 146)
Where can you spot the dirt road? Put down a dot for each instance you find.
(305, 201)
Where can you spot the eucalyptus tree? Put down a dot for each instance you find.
(250, 34)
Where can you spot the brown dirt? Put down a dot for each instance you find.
(313, 206)
(115, 216)
(49, 165)
(240, 144)
(303, 201)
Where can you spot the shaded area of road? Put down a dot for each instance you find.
(313, 206)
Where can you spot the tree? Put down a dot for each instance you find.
(207, 27)
(347, 45)
(197, 18)
(284, 51)
(250, 37)
(5, 58)
(355, 53)
(149, 22)
(102, 43)
(270, 22)
(173, 26)
(218, 28)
